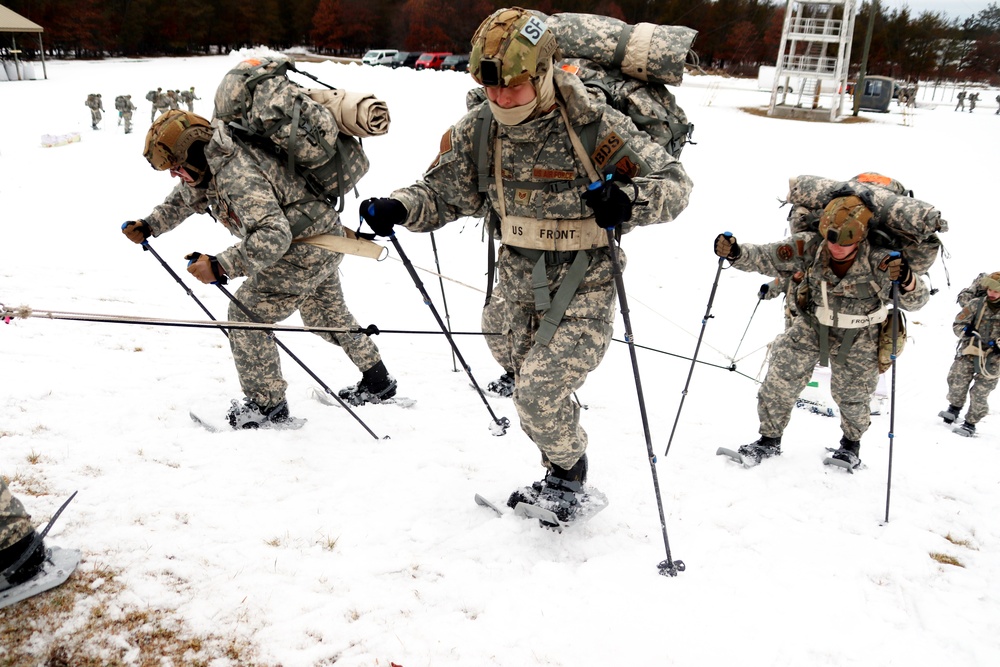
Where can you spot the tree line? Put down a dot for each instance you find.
(735, 36)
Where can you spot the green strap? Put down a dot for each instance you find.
(540, 284)
(567, 290)
(293, 135)
(845, 345)
(480, 145)
(623, 38)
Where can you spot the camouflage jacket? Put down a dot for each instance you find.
(988, 325)
(252, 194)
(539, 151)
(863, 289)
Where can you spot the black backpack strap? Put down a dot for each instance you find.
(480, 146)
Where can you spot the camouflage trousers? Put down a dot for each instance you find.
(493, 321)
(304, 279)
(95, 116)
(15, 523)
(794, 355)
(127, 117)
(546, 376)
(963, 374)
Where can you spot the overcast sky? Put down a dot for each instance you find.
(952, 8)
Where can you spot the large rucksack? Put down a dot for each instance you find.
(151, 96)
(900, 222)
(629, 66)
(264, 107)
(121, 104)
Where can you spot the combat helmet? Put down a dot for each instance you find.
(169, 141)
(512, 46)
(844, 221)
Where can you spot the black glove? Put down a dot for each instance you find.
(137, 231)
(382, 214)
(611, 205)
(205, 268)
(727, 247)
(899, 271)
(762, 294)
(970, 330)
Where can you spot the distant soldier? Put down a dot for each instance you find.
(998, 106)
(188, 97)
(96, 107)
(159, 101)
(123, 103)
(973, 98)
(961, 102)
(172, 100)
(976, 368)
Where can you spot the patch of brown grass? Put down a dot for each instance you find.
(945, 559)
(45, 631)
(762, 111)
(959, 542)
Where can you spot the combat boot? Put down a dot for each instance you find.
(763, 448)
(376, 386)
(950, 415)
(251, 415)
(848, 452)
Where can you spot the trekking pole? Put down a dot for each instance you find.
(892, 391)
(760, 297)
(444, 300)
(704, 321)
(668, 567)
(149, 248)
(254, 318)
(500, 424)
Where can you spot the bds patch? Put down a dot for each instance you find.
(785, 252)
(445, 147)
(605, 150)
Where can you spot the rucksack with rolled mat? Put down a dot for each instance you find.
(900, 222)
(263, 107)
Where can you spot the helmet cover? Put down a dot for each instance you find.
(511, 47)
(844, 221)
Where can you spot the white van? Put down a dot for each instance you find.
(379, 57)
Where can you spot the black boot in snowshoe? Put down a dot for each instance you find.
(251, 415)
(29, 568)
(763, 448)
(376, 386)
(966, 429)
(848, 453)
(950, 415)
(561, 492)
(503, 386)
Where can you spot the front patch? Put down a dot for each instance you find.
(553, 174)
(606, 150)
(785, 252)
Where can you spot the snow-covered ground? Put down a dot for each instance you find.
(326, 545)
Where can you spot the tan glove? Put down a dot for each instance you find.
(137, 231)
(727, 247)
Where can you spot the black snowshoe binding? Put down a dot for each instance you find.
(561, 492)
(755, 452)
(950, 415)
(502, 387)
(847, 456)
(251, 415)
(376, 386)
(31, 566)
(966, 430)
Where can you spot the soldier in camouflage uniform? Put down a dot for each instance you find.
(160, 103)
(840, 305)
(976, 368)
(16, 535)
(96, 106)
(188, 97)
(284, 251)
(551, 225)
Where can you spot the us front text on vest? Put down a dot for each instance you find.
(562, 235)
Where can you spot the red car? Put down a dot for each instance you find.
(431, 60)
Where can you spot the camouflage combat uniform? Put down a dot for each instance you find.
(96, 106)
(251, 193)
(15, 523)
(535, 154)
(160, 103)
(126, 113)
(864, 290)
(963, 377)
(188, 97)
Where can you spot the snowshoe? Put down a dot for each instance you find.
(560, 498)
(846, 456)
(751, 455)
(503, 386)
(966, 430)
(950, 415)
(251, 415)
(376, 385)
